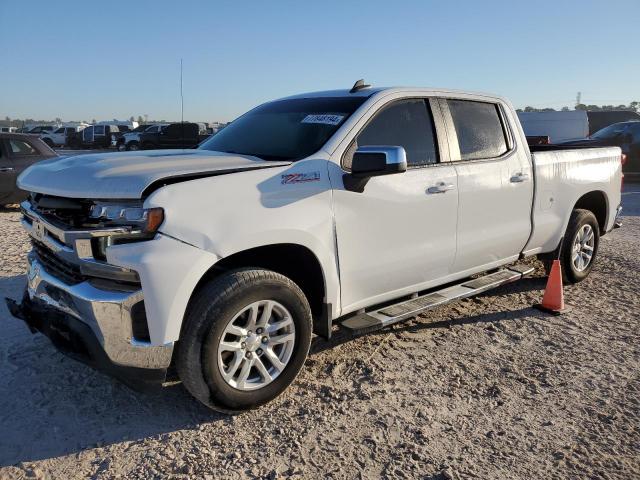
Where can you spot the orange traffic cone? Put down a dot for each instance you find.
(553, 299)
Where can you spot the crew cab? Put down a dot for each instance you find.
(348, 209)
(174, 135)
(95, 136)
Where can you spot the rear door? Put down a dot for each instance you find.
(495, 184)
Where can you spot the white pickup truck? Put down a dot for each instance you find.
(340, 209)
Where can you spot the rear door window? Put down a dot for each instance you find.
(98, 130)
(19, 147)
(479, 128)
(407, 124)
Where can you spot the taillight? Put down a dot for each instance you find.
(623, 160)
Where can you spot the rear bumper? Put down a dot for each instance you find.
(92, 325)
(617, 222)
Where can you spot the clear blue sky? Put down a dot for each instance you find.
(93, 59)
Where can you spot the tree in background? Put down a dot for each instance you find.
(140, 119)
(132, 119)
(632, 107)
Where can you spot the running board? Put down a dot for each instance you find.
(385, 316)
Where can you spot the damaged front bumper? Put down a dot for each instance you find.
(92, 325)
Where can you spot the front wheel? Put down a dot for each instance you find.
(245, 338)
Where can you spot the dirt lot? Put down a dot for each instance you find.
(484, 388)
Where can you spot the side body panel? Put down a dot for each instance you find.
(228, 214)
(562, 177)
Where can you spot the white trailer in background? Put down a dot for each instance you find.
(558, 126)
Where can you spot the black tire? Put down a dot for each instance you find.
(133, 145)
(49, 142)
(570, 274)
(213, 307)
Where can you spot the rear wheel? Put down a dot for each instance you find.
(49, 142)
(579, 247)
(245, 338)
(133, 146)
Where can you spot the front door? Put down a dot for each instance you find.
(399, 234)
(495, 183)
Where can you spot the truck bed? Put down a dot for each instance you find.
(563, 174)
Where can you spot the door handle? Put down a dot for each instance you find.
(6, 169)
(520, 177)
(440, 187)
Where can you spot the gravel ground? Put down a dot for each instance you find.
(483, 388)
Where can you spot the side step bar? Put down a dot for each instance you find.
(385, 316)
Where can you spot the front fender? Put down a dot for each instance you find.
(231, 213)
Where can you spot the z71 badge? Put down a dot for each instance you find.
(300, 177)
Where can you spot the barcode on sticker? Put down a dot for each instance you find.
(324, 119)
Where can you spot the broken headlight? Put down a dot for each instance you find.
(147, 220)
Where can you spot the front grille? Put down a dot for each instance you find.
(54, 265)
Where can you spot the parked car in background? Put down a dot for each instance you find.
(174, 135)
(131, 140)
(17, 152)
(8, 129)
(571, 125)
(598, 119)
(123, 125)
(625, 135)
(38, 128)
(58, 137)
(93, 136)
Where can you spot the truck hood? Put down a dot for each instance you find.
(127, 175)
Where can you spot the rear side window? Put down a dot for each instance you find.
(18, 147)
(98, 130)
(479, 129)
(408, 124)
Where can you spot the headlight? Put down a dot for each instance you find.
(147, 220)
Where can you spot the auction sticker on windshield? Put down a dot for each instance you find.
(325, 119)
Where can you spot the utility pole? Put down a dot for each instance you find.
(181, 96)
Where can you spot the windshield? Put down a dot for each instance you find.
(286, 129)
(611, 131)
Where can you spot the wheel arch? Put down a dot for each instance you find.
(292, 260)
(597, 203)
